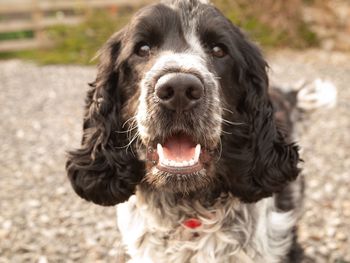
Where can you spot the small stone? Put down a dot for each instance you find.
(335, 221)
(323, 250)
(44, 219)
(310, 251)
(20, 134)
(36, 125)
(112, 252)
(33, 203)
(42, 259)
(7, 225)
(332, 245)
(61, 190)
(331, 231)
(341, 236)
(329, 188)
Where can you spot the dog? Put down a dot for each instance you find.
(183, 134)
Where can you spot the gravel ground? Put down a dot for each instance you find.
(42, 220)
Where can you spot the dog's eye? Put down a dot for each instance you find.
(143, 50)
(218, 51)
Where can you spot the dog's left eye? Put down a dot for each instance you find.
(218, 51)
(143, 50)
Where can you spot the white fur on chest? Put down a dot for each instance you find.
(230, 232)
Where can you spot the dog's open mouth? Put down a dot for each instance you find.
(179, 154)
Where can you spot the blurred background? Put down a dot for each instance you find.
(46, 51)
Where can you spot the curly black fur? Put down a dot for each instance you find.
(102, 170)
(257, 160)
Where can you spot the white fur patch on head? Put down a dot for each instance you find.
(193, 40)
(188, 11)
(183, 61)
(176, 2)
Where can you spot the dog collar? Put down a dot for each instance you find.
(192, 223)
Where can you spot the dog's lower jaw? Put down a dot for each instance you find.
(184, 184)
(152, 228)
(177, 183)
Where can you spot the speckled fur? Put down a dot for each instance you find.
(152, 231)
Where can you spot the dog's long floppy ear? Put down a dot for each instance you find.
(260, 160)
(101, 170)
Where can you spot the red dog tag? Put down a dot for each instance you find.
(192, 223)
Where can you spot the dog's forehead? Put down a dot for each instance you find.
(186, 8)
(185, 2)
(166, 13)
(176, 20)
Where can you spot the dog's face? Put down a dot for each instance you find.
(180, 104)
(179, 57)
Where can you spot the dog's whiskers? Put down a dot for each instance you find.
(220, 150)
(127, 131)
(133, 119)
(232, 123)
(225, 109)
(225, 132)
(136, 135)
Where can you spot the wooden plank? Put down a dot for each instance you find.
(37, 8)
(104, 3)
(7, 8)
(69, 21)
(16, 45)
(14, 26)
(37, 16)
(24, 7)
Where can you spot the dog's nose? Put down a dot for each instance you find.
(179, 91)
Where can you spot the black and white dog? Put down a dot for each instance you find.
(181, 132)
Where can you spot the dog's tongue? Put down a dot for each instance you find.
(179, 148)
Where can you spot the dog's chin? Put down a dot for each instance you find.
(178, 183)
(179, 164)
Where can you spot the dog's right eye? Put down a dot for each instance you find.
(143, 50)
(218, 50)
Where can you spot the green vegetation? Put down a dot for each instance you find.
(74, 44)
(271, 25)
(79, 44)
(268, 36)
(16, 35)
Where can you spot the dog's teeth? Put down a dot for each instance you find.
(178, 164)
(185, 163)
(192, 162)
(197, 152)
(160, 153)
(166, 162)
(172, 163)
